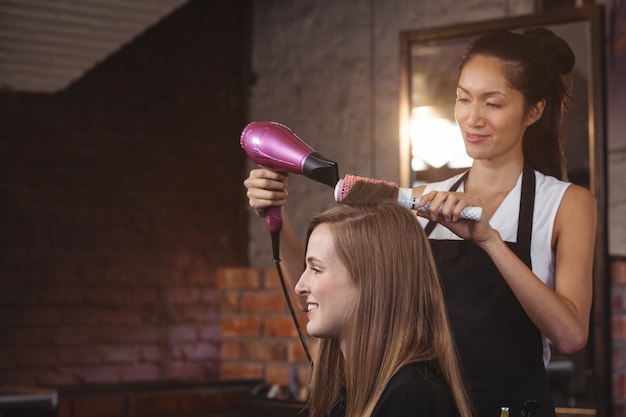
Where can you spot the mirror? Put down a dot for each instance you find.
(427, 92)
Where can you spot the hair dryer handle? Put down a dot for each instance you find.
(274, 219)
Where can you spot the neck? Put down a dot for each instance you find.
(490, 177)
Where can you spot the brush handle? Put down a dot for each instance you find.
(406, 200)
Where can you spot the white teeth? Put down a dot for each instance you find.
(312, 307)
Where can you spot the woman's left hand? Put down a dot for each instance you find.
(446, 207)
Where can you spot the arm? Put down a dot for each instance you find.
(267, 188)
(561, 314)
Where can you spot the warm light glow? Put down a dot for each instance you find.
(435, 141)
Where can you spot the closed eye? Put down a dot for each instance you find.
(315, 270)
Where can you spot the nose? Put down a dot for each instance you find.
(301, 288)
(474, 116)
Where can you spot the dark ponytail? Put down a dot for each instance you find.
(537, 63)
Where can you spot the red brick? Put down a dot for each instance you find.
(240, 326)
(209, 332)
(618, 272)
(296, 352)
(98, 374)
(150, 353)
(618, 298)
(304, 374)
(79, 356)
(242, 278)
(121, 316)
(282, 326)
(619, 357)
(199, 314)
(182, 295)
(196, 351)
(240, 370)
(229, 301)
(190, 371)
(267, 350)
(619, 386)
(618, 327)
(209, 296)
(263, 302)
(120, 353)
(59, 376)
(278, 373)
(183, 333)
(139, 372)
(271, 279)
(126, 334)
(229, 349)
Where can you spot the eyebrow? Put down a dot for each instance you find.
(312, 259)
(486, 94)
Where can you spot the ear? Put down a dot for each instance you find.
(534, 112)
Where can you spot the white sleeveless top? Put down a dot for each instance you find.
(549, 192)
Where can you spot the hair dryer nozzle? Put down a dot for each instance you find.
(321, 169)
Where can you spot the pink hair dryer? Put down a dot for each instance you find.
(275, 146)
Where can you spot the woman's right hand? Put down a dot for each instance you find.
(266, 188)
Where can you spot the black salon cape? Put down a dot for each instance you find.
(413, 391)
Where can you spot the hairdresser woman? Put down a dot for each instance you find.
(522, 275)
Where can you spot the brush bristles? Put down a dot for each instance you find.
(345, 186)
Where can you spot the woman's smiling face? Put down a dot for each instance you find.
(490, 113)
(326, 283)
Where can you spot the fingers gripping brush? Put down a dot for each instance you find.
(404, 195)
(275, 146)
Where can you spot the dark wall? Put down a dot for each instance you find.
(119, 199)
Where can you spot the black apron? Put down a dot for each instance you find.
(500, 348)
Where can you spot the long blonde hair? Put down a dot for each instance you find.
(399, 316)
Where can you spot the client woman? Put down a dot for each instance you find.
(386, 347)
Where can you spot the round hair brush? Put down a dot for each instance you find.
(348, 186)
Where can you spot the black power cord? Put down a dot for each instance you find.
(276, 255)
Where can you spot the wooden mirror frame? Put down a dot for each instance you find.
(438, 41)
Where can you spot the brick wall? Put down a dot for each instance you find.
(260, 341)
(119, 199)
(259, 337)
(618, 334)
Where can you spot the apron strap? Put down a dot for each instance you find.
(431, 224)
(527, 205)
